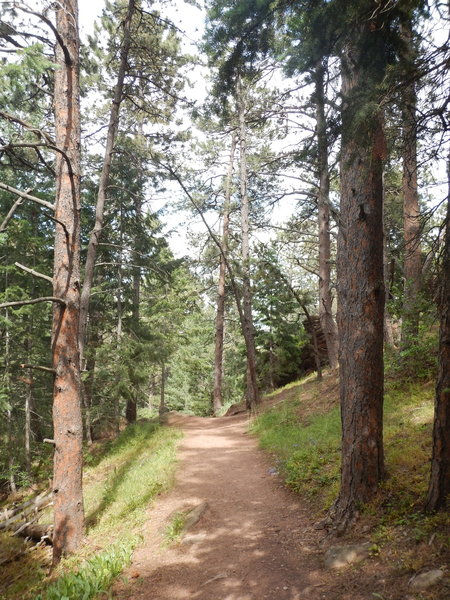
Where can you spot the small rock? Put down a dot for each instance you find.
(194, 516)
(219, 576)
(193, 538)
(338, 557)
(426, 580)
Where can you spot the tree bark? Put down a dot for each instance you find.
(360, 274)
(113, 127)
(162, 398)
(325, 299)
(411, 212)
(67, 417)
(220, 312)
(438, 496)
(252, 393)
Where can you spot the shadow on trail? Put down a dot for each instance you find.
(248, 544)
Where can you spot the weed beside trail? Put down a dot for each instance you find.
(301, 429)
(303, 432)
(120, 481)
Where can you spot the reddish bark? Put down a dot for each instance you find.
(67, 418)
(412, 270)
(360, 278)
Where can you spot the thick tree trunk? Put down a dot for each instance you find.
(220, 312)
(252, 393)
(325, 299)
(411, 212)
(67, 418)
(113, 127)
(360, 276)
(439, 487)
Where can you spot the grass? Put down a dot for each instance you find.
(121, 479)
(175, 528)
(303, 434)
(302, 431)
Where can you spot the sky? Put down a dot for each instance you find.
(190, 21)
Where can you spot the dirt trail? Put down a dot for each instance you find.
(254, 542)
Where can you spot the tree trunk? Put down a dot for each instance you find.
(389, 338)
(113, 127)
(325, 299)
(439, 486)
(119, 329)
(360, 274)
(67, 417)
(28, 405)
(220, 313)
(88, 386)
(252, 394)
(162, 400)
(411, 213)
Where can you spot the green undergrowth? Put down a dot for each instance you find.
(120, 481)
(305, 445)
(175, 528)
(302, 432)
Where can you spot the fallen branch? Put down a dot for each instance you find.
(11, 515)
(36, 532)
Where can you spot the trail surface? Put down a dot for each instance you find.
(253, 542)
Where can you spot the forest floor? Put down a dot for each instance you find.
(255, 540)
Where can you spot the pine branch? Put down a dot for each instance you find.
(34, 301)
(38, 368)
(28, 126)
(32, 272)
(26, 196)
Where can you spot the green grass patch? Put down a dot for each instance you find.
(303, 433)
(175, 528)
(120, 481)
(307, 450)
(94, 576)
(307, 455)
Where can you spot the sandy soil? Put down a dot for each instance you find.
(254, 541)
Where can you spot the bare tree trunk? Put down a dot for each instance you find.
(113, 127)
(220, 312)
(325, 299)
(67, 417)
(252, 393)
(10, 445)
(389, 339)
(360, 276)
(411, 211)
(315, 343)
(162, 400)
(438, 496)
(88, 386)
(119, 327)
